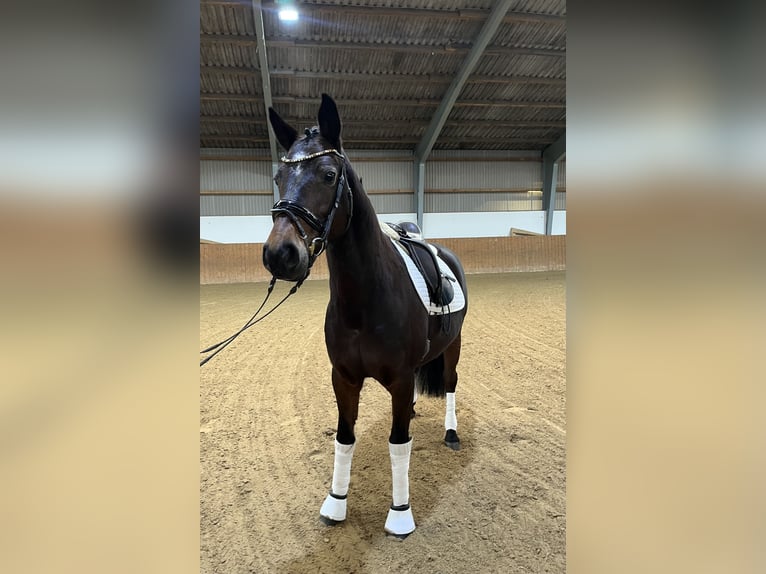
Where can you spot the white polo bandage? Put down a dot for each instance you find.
(341, 474)
(400, 467)
(450, 420)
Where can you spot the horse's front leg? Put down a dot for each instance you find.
(347, 396)
(400, 521)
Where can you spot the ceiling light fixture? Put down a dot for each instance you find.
(288, 13)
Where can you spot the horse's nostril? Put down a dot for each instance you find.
(288, 255)
(282, 259)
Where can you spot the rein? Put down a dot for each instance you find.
(221, 345)
(295, 211)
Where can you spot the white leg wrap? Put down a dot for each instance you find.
(341, 474)
(400, 521)
(450, 420)
(400, 467)
(333, 507)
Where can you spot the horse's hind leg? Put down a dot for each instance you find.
(347, 396)
(451, 358)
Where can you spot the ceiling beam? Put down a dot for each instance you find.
(387, 123)
(422, 102)
(439, 118)
(362, 76)
(419, 79)
(466, 15)
(265, 83)
(510, 104)
(417, 48)
(388, 140)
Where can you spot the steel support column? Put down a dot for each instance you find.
(551, 157)
(420, 196)
(263, 63)
(550, 175)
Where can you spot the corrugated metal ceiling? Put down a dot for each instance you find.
(388, 64)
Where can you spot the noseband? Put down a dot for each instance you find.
(295, 211)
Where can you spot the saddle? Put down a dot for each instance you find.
(423, 255)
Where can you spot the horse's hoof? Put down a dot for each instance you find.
(329, 521)
(333, 510)
(400, 523)
(451, 440)
(398, 536)
(413, 414)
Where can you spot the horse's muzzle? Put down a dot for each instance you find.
(285, 260)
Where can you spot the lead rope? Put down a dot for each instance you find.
(314, 252)
(220, 346)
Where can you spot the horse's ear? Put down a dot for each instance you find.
(329, 121)
(286, 135)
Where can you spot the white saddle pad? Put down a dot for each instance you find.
(419, 282)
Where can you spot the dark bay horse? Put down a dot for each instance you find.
(375, 326)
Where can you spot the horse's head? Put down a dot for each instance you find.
(311, 181)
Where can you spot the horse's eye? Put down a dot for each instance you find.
(329, 177)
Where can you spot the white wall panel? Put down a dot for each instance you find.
(559, 223)
(561, 201)
(244, 229)
(235, 204)
(385, 174)
(524, 175)
(496, 224)
(477, 201)
(393, 202)
(255, 229)
(245, 218)
(235, 175)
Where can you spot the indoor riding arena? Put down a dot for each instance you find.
(453, 117)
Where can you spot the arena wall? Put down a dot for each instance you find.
(241, 262)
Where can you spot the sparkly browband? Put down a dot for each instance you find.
(284, 159)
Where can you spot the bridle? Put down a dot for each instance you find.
(296, 212)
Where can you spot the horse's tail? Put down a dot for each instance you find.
(429, 378)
